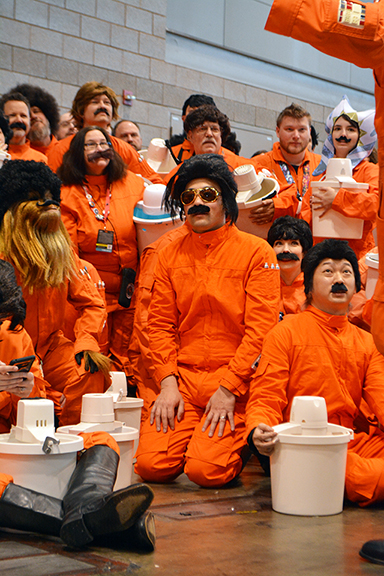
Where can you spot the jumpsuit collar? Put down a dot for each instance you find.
(328, 320)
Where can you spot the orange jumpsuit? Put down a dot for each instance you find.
(16, 344)
(44, 323)
(83, 227)
(287, 202)
(215, 297)
(139, 353)
(184, 150)
(316, 354)
(131, 157)
(45, 149)
(317, 23)
(355, 205)
(292, 297)
(25, 152)
(232, 159)
(90, 439)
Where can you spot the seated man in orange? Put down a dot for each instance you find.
(97, 105)
(320, 353)
(16, 109)
(90, 510)
(290, 162)
(206, 129)
(291, 239)
(215, 296)
(351, 135)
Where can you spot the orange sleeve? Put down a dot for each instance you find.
(135, 161)
(360, 204)
(5, 479)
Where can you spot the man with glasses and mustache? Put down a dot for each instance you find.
(16, 109)
(215, 296)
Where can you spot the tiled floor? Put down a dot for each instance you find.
(227, 532)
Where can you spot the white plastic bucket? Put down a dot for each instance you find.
(128, 411)
(150, 227)
(33, 469)
(372, 261)
(308, 472)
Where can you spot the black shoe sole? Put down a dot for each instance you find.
(371, 559)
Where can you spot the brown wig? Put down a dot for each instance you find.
(85, 94)
(72, 172)
(208, 113)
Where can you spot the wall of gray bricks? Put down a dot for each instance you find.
(60, 44)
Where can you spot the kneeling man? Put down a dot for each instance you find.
(215, 296)
(320, 353)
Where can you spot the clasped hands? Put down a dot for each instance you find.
(170, 404)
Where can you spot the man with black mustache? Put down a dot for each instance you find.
(351, 135)
(291, 239)
(16, 109)
(320, 353)
(215, 296)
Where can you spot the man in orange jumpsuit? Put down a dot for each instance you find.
(16, 109)
(45, 117)
(291, 239)
(354, 32)
(290, 162)
(215, 296)
(320, 353)
(89, 511)
(35, 241)
(97, 105)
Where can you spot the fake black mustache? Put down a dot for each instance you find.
(339, 287)
(199, 209)
(108, 154)
(46, 203)
(287, 256)
(18, 125)
(101, 110)
(343, 139)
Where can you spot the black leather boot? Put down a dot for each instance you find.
(24, 509)
(91, 508)
(373, 550)
(139, 537)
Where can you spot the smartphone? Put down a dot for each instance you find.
(24, 364)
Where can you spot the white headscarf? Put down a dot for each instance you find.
(367, 137)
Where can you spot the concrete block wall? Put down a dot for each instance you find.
(60, 44)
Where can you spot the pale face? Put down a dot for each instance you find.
(328, 273)
(98, 112)
(208, 221)
(66, 126)
(97, 167)
(17, 111)
(289, 249)
(206, 139)
(294, 134)
(40, 128)
(130, 133)
(347, 135)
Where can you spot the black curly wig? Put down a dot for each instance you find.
(12, 304)
(212, 166)
(4, 126)
(330, 248)
(290, 228)
(21, 180)
(36, 96)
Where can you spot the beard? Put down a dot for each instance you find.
(38, 132)
(36, 242)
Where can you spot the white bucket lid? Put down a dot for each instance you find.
(152, 199)
(121, 433)
(290, 433)
(339, 167)
(372, 260)
(97, 408)
(128, 403)
(253, 188)
(67, 443)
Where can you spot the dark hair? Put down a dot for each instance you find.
(290, 228)
(120, 122)
(197, 100)
(212, 114)
(314, 137)
(293, 111)
(19, 179)
(12, 303)
(16, 96)
(212, 166)
(232, 144)
(330, 248)
(73, 169)
(352, 122)
(36, 96)
(4, 126)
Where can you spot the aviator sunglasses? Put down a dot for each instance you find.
(207, 194)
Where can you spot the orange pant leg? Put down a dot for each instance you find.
(364, 481)
(5, 479)
(120, 325)
(99, 438)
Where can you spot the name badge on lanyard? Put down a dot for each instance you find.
(104, 242)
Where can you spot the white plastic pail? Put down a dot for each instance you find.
(372, 261)
(128, 411)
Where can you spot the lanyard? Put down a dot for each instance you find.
(290, 180)
(95, 210)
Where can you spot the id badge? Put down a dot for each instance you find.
(104, 242)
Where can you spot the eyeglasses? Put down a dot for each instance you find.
(91, 146)
(207, 194)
